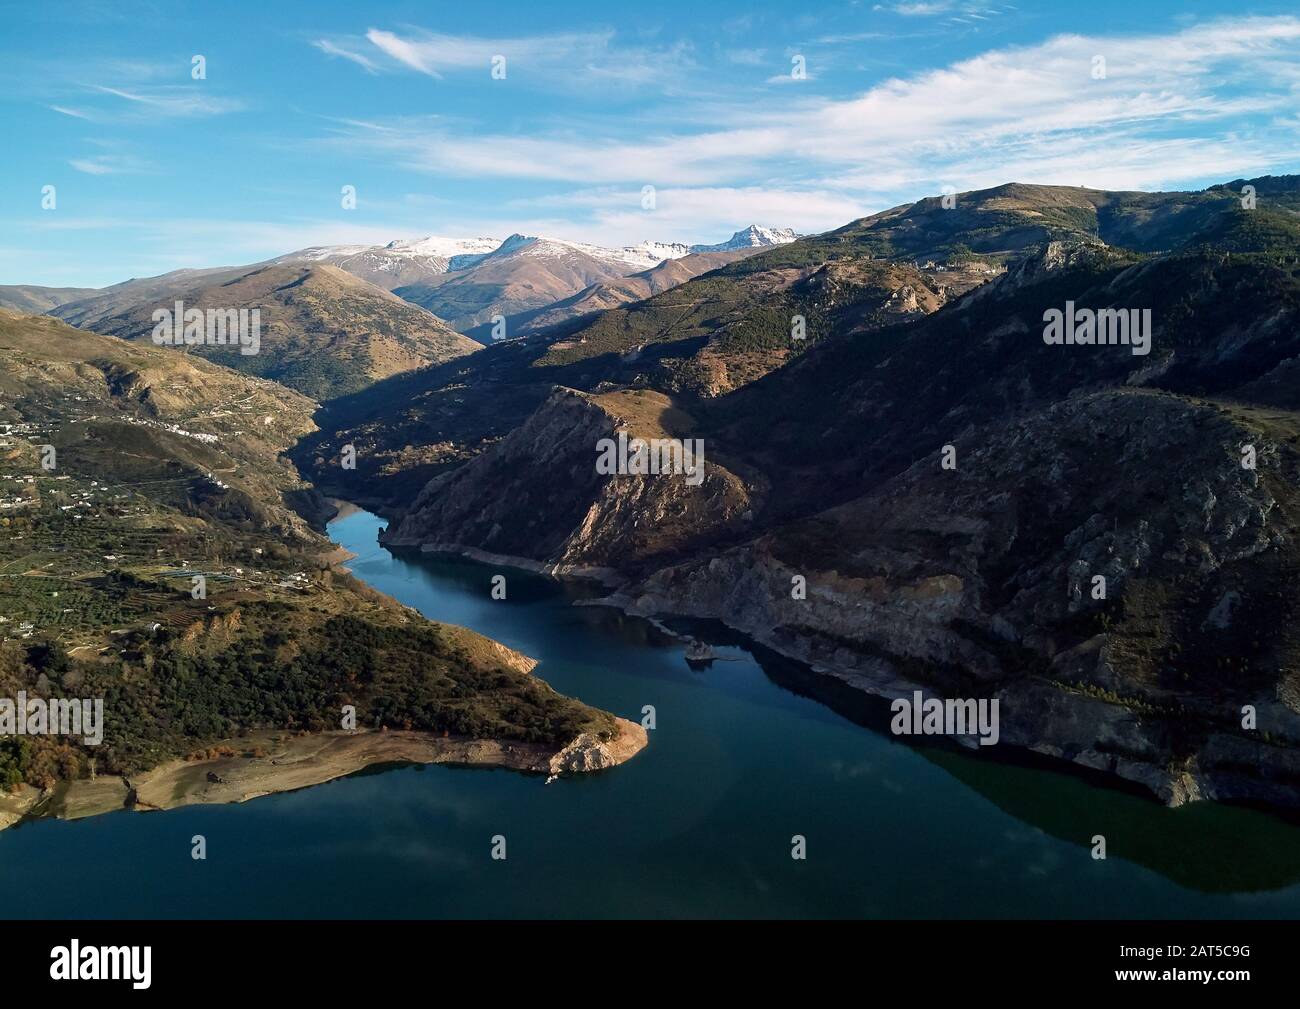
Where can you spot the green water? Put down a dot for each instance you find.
(699, 824)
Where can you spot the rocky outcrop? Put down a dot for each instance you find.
(589, 753)
(538, 497)
(983, 581)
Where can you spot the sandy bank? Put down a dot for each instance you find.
(293, 762)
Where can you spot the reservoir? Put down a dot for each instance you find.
(700, 824)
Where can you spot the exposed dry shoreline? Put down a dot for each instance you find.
(294, 762)
(608, 577)
(1068, 727)
(1084, 716)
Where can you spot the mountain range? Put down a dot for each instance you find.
(907, 486)
(407, 261)
(924, 343)
(470, 282)
(338, 318)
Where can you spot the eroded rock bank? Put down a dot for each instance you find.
(1133, 740)
(264, 763)
(914, 586)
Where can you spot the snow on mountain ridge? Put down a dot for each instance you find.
(445, 248)
(752, 237)
(442, 254)
(641, 257)
(317, 253)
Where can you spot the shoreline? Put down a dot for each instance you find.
(295, 762)
(883, 684)
(1081, 720)
(1069, 753)
(608, 577)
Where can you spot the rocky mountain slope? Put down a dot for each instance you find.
(399, 263)
(577, 519)
(931, 502)
(612, 294)
(323, 332)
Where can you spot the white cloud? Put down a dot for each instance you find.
(568, 59)
(176, 101)
(414, 55)
(922, 9)
(434, 53)
(974, 118)
(90, 166)
(110, 164)
(75, 113)
(328, 47)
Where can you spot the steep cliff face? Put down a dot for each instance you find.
(1108, 568)
(1111, 550)
(538, 495)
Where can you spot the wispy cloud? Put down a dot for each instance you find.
(960, 13)
(173, 100)
(435, 53)
(332, 49)
(569, 59)
(922, 9)
(74, 113)
(114, 91)
(951, 121)
(110, 164)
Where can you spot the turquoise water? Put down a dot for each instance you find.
(699, 824)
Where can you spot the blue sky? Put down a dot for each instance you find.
(154, 170)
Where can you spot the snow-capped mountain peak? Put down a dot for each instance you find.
(664, 250)
(640, 257)
(407, 261)
(445, 248)
(754, 236)
(320, 253)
